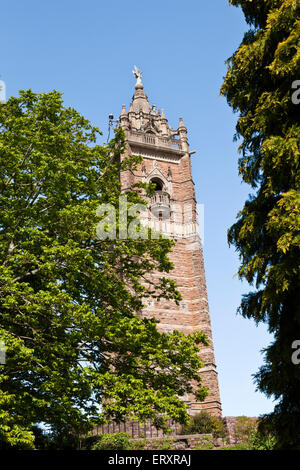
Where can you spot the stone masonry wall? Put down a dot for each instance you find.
(184, 442)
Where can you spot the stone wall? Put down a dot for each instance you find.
(137, 430)
(141, 431)
(234, 427)
(184, 442)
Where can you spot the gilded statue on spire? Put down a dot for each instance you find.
(138, 75)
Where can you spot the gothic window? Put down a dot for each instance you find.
(158, 184)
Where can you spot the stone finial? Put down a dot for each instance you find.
(182, 131)
(181, 124)
(124, 118)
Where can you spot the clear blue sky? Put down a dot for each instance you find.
(87, 50)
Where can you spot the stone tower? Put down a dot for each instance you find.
(172, 210)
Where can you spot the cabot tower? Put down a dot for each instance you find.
(173, 211)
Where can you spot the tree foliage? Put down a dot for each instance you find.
(244, 428)
(204, 423)
(258, 85)
(71, 303)
(117, 441)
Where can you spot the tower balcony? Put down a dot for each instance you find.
(160, 205)
(154, 140)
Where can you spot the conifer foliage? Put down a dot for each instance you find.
(262, 85)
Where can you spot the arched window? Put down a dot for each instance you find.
(159, 185)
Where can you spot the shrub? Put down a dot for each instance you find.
(117, 441)
(138, 445)
(244, 428)
(204, 423)
(166, 443)
(87, 443)
(206, 444)
(260, 441)
(239, 446)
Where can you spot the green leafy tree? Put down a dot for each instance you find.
(71, 303)
(260, 86)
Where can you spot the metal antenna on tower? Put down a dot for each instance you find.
(111, 123)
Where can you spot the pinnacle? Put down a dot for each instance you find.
(181, 124)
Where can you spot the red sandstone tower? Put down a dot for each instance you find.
(172, 210)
